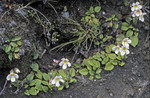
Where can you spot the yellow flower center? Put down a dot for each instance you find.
(136, 6)
(138, 11)
(12, 75)
(65, 61)
(124, 48)
(125, 41)
(57, 79)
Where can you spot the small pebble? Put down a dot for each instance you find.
(111, 94)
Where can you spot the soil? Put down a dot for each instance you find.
(129, 81)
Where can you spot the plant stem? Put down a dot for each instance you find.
(3, 87)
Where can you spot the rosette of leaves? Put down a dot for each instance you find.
(129, 31)
(67, 75)
(37, 81)
(12, 47)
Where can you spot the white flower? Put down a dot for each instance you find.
(116, 49)
(137, 13)
(64, 63)
(124, 50)
(126, 42)
(16, 70)
(141, 18)
(136, 6)
(12, 77)
(56, 81)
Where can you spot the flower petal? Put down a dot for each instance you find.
(8, 77)
(133, 4)
(54, 81)
(127, 51)
(13, 79)
(117, 51)
(62, 80)
(16, 76)
(137, 3)
(129, 41)
(57, 84)
(64, 66)
(61, 63)
(114, 48)
(122, 52)
(69, 64)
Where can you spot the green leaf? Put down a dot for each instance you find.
(109, 66)
(95, 21)
(129, 33)
(122, 64)
(112, 56)
(16, 55)
(72, 72)
(36, 56)
(97, 9)
(35, 67)
(91, 72)
(46, 76)
(98, 71)
(67, 84)
(108, 49)
(30, 77)
(45, 83)
(27, 92)
(26, 86)
(125, 24)
(19, 43)
(98, 76)
(39, 75)
(33, 91)
(128, 19)
(101, 36)
(105, 60)
(38, 81)
(61, 87)
(73, 80)
(33, 82)
(13, 44)
(91, 9)
(10, 56)
(16, 38)
(114, 62)
(17, 49)
(91, 77)
(39, 87)
(119, 38)
(7, 48)
(108, 19)
(45, 88)
(83, 71)
(134, 40)
(124, 28)
(63, 74)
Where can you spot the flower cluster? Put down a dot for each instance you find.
(137, 11)
(124, 49)
(64, 63)
(13, 76)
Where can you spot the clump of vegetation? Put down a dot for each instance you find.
(12, 47)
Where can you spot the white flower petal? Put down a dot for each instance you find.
(54, 81)
(137, 3)
(117, 51)
(122, 52)
(61, 63)
(133, 4)
(127, 51)
(62, 80)
(16, 76)
(8, 77)
(132, 9)
(57, 84)
(69, 64)
(129, 41)
(140, 6)
(114, 48)
(13, 79)
(63, 59)
(64, 66)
